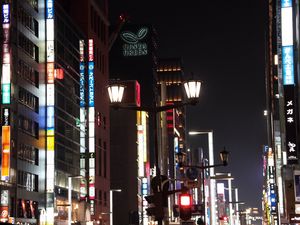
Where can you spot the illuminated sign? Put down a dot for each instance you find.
(91, 50)
(145, 203)
(83, 183)
(5, 162)
(5, 117)
(91, 83)
(5, 81)
(50, 99)
(288, 65)
(290, 124)
(81, 70)
(287, 42)
(286, 3)
(5, 14)
(50, 9)
(91, 119)
(133, 45)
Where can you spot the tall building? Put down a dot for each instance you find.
(170, 78)
(281, 199)
(133, 58)
(40, 103)
(92, 18)
(55, 126)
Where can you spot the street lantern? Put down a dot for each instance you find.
(115, 92)
(192, 88)
(224, 156)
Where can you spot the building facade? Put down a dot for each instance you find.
(281, 155)
(54, 112)
(133, 58)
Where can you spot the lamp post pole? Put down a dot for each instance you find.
(224, 158)
(70, 197)
(192, 89)
(211, 173)
(111, 204)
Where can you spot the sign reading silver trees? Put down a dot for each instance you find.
(133, 45)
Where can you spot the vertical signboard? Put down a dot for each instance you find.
(288, 75)
(297, 185)
(83, 186)
(290, 124)
(91, 119)
(6, 71)
(6, 129)
(50, 99)
(4, 213)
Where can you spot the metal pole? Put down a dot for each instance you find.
(230, 201)
(203, 192)
(212, 181)
(111, 206)
(237, 206)
(70, 200)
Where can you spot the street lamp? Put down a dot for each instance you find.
(212, 182)
(192, 90)
(229, 178)
(224, 158)
(111, 203)
(116, 91)
(70, 196)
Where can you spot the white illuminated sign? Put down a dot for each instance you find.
(133, 45)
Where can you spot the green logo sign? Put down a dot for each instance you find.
(133, 45)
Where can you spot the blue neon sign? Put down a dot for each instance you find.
(5, 14)
(81, 70)
(288, 65)
(91, 83)
(286, 3)
(50, 9)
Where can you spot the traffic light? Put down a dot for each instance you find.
(156, 207)
(185, 206)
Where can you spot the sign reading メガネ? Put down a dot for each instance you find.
(290, 124)
(134, 45)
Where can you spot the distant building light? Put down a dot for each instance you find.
(276, 60)
(265, 112)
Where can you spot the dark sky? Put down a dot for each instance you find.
(222, 42)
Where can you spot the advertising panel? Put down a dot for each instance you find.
(297, 185)
(290, 124)
(91, 120)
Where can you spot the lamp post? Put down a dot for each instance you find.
(70, 196)
(192, 90)
(212, 189)
(229, 178)
(111, 203)
(224, 158)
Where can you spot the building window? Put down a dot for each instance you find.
(31, 49)
(92, 17)
(28, 153)
(28, 73)
(29, 126)
(100, 197)
(27, 209)
(27, 181)
(100, 162)
(105, 163)
(34, 4)
(28, 21)
(105, 198)
(28, 99)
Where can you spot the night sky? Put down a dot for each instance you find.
(222, 42)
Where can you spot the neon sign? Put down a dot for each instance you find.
(50, 99)
(133, 45)
(91, 118)
(83, 188)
